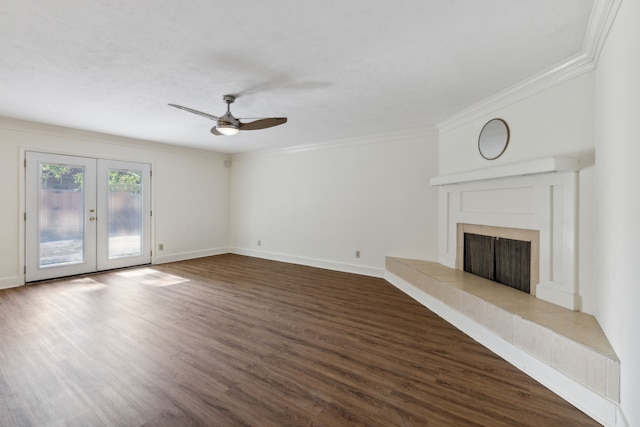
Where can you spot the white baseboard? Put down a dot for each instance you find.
(10, 282)
(182, 256)
(312, 262)
(597, 407)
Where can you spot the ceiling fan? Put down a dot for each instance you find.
(227, 124)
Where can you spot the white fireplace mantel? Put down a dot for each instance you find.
(539, 195)
(532, 167)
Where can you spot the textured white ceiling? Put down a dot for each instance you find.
(337, 69)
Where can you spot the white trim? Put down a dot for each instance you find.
(597, 407)
(17, 125)
(572, 67)
(10, 282)
(551, 164)
(182, 256)
(388, 137)
(601, 19)
(312, 262)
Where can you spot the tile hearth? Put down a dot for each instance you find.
(570, 342)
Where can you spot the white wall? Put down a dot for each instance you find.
(617, 139)
(192, 205)
(555, 122)
(190, 190)
(317, 206)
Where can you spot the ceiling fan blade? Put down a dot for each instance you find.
(263, 123)
(216, 132)
(191, 110)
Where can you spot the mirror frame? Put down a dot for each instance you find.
(493, 143)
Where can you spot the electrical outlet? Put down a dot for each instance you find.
(357, 254)
(161, 247)
(259, 242)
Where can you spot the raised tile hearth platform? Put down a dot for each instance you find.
(570, 342)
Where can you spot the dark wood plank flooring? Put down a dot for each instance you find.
(234, 341)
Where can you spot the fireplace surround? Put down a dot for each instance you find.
(539, 197)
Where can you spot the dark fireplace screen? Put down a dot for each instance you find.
(504, 261)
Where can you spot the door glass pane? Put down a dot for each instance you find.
(61, 215)
(124, 213)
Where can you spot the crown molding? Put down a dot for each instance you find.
(552, 76)
(601, 19)
(380, 138)
(19, 125)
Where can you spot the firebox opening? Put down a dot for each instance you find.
(502, 260)
(532, 237)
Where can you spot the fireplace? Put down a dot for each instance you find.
(534, 201)
(505, 255)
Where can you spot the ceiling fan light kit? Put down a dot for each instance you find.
(227, 130)
(227, 124)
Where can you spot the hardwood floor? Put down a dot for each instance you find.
(235, 341)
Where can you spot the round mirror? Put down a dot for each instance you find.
(493, 139)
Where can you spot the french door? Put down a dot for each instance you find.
(85, 215)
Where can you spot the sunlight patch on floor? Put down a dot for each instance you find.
(87, 284)
(151, 277)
